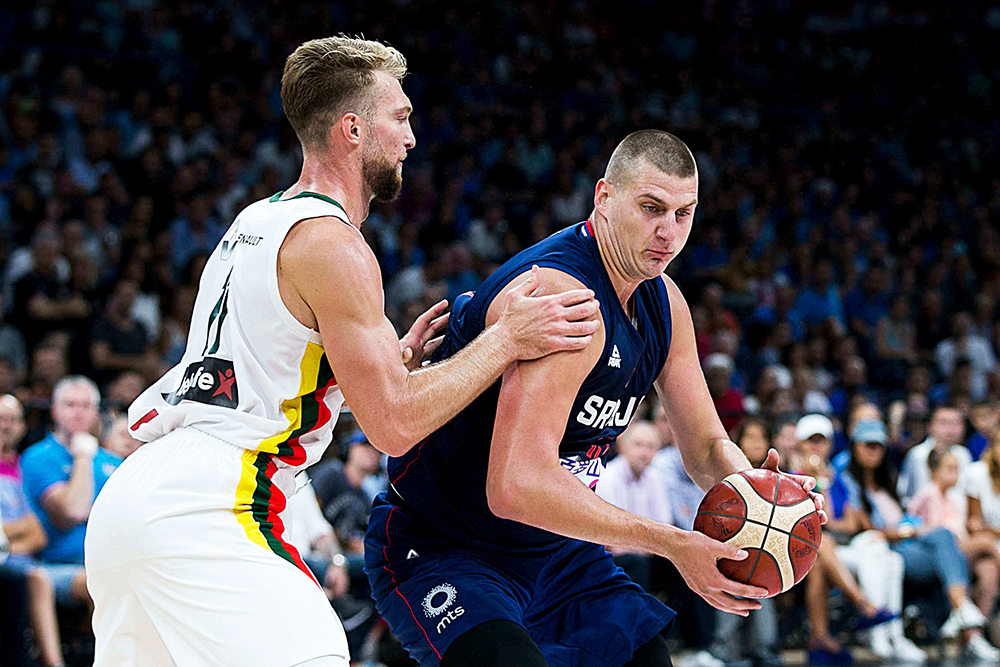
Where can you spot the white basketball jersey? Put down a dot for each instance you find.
(252, 374)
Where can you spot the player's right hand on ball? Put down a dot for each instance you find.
(541, 325)
(697, 559)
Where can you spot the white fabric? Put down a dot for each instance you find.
(240, 323)
(177, 575)
(307, 523)
(979, 485)
(879, 572)
(643, 496)
(916, 474)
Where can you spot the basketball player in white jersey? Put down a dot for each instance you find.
(185, 557)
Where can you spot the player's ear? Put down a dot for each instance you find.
(350, 128)
(602, 192)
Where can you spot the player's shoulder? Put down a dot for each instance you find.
(326, 244)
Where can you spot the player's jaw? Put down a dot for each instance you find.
(383, 176)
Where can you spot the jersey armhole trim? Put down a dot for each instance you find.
(277, 198)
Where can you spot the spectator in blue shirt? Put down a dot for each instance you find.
(63, 473)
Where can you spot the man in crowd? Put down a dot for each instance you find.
(631, 484)
(946, 432)
(63, 473)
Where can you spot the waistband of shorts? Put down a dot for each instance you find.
(188, 433)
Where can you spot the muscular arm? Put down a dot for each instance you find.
(332, 271)
(705, 448)
(526, 483)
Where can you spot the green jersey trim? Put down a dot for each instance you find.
(277, 197)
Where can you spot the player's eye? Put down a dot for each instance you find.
(650, 208)
(683, 212)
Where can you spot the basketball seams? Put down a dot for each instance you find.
(768, 522)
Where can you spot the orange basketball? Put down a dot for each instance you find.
(771, 518)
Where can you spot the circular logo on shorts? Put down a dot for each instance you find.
(438, 599)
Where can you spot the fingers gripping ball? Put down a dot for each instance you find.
(771, 518)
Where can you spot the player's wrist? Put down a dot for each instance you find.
(502, 339)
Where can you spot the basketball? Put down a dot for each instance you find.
(771, 518)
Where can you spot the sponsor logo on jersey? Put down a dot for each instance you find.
(234, 238)
(209, 380)
(615, 360)
(600, 412)
(585, 469)
(440, 600)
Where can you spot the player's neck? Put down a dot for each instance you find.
(340, 180)
(613, 261)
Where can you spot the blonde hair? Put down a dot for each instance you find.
(331, 76)
(992, 458)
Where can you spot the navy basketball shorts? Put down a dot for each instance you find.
(576, 604)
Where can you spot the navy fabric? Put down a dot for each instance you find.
(576, 604)
(443, 479)
(440, 562)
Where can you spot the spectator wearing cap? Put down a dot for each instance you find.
(866, 554)
(728, 400)
(931, 556)
(946, 432)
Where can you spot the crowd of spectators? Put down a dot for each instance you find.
(845, 253)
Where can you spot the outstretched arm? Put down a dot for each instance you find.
(708, 454)
(526, 483)
(330, 280)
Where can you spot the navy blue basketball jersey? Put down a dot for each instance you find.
(443, 479)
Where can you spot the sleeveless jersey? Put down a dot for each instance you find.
(251, 374)
(443, 479)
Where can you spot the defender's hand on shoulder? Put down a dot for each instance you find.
(539, 324)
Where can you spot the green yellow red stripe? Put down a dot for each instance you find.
(258, 501)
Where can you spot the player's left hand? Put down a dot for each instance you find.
(419, 342)
(807, 483)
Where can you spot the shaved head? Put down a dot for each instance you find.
(662, 149)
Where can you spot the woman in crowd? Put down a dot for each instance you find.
(835, 567)
(929, 554)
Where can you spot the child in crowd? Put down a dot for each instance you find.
(941, 504)
(930, 555)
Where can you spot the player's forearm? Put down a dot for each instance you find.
(433, 395)
(554, 500)
(714, 461)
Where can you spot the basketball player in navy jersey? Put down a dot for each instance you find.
(484, 550)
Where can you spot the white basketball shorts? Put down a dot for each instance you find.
(187, 566)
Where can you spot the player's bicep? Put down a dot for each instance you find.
(532, 410)
(338, 278)
(681, 384)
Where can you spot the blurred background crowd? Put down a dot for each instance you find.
(844, 263)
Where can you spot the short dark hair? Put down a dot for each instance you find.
(665, 151)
